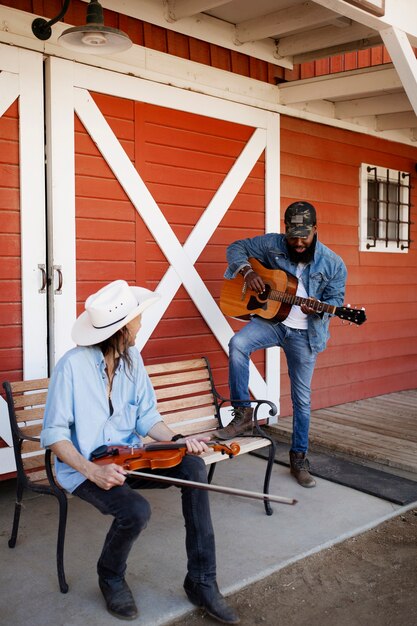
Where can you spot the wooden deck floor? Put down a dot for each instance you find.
(382, 429)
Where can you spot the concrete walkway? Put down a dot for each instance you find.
(250, 546)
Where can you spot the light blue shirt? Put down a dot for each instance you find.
(77, 407)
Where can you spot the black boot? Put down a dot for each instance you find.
(299, 468)
(240, 424)
(208, 597)
(118, 597)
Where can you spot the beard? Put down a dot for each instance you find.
(302, 257)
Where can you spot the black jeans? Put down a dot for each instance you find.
(131, 512)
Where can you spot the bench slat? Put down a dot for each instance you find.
(191, 427)
(29, 385)
(247, 444)
(30, 415)
(181, 403)
(30, 399)
(176, 366)
(184, 390)
(33, 430)
(179, 377)
(34, 462)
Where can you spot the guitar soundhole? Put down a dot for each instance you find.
(260, 301)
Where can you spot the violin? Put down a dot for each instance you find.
(165, 454)
(158, 455)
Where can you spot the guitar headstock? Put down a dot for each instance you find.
(354, 316)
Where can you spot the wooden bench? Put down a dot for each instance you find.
(187, 400)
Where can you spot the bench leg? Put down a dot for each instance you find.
(63, 508)
(211, 472)
(16, 517)
(269, 466)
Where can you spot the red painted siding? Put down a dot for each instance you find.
(321, 164)
(11, 362)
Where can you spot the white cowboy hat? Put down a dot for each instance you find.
(108, 310)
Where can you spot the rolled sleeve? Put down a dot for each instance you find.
(52, 435)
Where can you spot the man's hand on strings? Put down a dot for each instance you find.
(254, 281)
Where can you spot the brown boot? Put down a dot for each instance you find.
(240, 424)
(299, 468)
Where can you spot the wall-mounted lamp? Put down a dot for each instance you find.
(93, 37)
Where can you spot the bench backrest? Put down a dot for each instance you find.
(185, 395)
(26, 402)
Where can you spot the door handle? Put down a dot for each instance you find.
(42, 267)
(58, 270)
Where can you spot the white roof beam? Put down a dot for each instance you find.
(324, 37)
(401, 14)
(375, 105)
(404, 59)
(201, 26)
(333, 87)
(178, 9)
(352, 46)
(392, 121)
(296, 18)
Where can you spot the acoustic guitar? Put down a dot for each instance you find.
(275, 302)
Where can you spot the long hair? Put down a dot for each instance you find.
(118, 346)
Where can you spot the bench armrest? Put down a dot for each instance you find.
(257, 404)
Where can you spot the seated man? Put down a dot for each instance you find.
(100, 394)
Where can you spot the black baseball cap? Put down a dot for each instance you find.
(299, 218)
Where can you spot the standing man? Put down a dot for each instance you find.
(100, 394)
(302, 334)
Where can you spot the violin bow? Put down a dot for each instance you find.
(209, 487)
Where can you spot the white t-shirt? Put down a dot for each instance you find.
(296, 318)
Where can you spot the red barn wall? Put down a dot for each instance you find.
(321, 164)
(11, 361)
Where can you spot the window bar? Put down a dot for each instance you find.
(375, 202)
(408, 222)
(387, 211)
(398, 211)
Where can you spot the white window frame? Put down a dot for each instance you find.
(367, 244)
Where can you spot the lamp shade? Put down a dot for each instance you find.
(95, 39)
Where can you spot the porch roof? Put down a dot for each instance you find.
(380, 100)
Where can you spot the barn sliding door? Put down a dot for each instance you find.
(150, 183)
(141, 181)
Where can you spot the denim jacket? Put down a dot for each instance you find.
(324, 276)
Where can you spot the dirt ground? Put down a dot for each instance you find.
(368, 580)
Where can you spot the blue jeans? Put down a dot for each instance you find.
(131, 512)
(258, 334)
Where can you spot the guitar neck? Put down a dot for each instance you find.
(319, 307)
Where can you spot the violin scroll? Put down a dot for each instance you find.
(232, 449)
